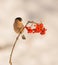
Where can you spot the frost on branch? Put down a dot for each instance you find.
(38, 28)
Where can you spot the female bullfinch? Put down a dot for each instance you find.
(18, 26)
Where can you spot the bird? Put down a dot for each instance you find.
(18, 26)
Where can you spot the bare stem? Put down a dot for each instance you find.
(13, 49)
(32, 22)
(10, 59)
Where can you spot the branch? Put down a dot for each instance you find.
(10, 59)
(32, 22)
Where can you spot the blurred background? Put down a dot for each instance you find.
(36, 49)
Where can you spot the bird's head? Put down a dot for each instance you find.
(18, 19)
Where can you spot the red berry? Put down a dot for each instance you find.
(43, 31)
(29, 29)
(41, 25)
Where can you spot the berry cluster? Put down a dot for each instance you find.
(39, 28)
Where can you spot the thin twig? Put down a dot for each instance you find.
(32, 22)
(10, 59)
(13, 49)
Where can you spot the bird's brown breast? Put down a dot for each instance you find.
(18, 26)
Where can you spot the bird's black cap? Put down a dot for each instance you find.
(18, 18)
